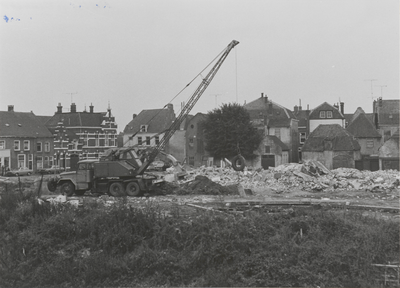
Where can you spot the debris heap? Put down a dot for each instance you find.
(309, 176)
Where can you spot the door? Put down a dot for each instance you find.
(267, 161)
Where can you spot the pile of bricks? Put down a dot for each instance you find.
(309, 176)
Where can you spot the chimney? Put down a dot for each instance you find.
(170, 107)
(10, 108)
(91, 107)
(73, 108)
(296, 109)
(262, 95)
(59, 108)
(266, 99)
(380, 102)
(342, 107)
(134, 116)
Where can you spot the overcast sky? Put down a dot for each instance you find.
(138, 55)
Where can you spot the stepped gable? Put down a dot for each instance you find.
(339, 138)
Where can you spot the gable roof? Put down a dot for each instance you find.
(157, 120)
(276, 115)
(336, 114)
(388, 113)
(22, 124)
(361, 127)
(339, 139)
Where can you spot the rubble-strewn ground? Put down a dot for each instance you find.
(293, 181)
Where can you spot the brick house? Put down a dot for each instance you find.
(24, 141)
(333, 146)
(81, 135)
(274, 120)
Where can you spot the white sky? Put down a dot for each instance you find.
(139, 54)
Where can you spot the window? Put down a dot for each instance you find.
(143, 128)
(27, 144)
(2, 144)
(30, 161)
(39, 162)
(370, 143)
(278, 132)
(322, 114)
(302, 137)
(39, 146)
(157, 139)
(267, 149)
(139, 140)
(329, 114)
(148, 140)
(16, 145)
(21, 160)
(47, 147)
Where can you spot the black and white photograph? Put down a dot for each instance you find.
(199, 143)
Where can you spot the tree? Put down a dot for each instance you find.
(229, 132)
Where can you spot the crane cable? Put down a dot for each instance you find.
(187, 85)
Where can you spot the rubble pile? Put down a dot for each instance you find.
(309, 176)
(202, 185)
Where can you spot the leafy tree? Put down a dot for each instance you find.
(228, 132)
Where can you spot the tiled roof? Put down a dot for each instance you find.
(276, 115)
(324, 135)
(336, 114)
(21, 124)
(77, 119)
(361, 127)
(43, 119)
(157, 120)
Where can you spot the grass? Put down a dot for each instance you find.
(44, 245)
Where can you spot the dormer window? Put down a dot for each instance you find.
(329, 114)
(143, 128)
(322, 114)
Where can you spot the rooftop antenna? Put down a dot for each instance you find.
(216, 103)
(71, 95)
(381, 88)
(372, 91)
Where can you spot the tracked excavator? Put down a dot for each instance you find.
(122, 171)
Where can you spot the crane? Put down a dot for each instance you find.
(186, 109)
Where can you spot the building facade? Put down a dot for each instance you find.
(24, 141)
(81, 135)
(275, 120)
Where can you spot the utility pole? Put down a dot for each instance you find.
(372, 92)
(71, 94)
(381, 88)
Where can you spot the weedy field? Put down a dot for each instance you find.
(59, 245)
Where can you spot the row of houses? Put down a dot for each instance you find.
(366, 141)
